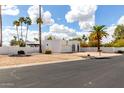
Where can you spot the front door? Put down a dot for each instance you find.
(73, 48)
(77, 48)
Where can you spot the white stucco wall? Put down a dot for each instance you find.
(53, 45)
(14, 50)
(28, 50)
(104, 49)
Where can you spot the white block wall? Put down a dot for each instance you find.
(104, 49)
(14, 50)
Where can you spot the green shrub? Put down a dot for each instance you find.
(119, 43)
(48, 52)
(93, 43)
(83, 44)
(120, 51)
(107, 44)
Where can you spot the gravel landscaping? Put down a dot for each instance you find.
(6, 60)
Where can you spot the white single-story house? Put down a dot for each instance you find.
(58, 46)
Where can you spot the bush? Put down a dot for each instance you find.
(107, 44)
(83, 44)
(48, 52)
(120, 51)
(119, 43)
(22, 43)
(93, 43)
(21, 52)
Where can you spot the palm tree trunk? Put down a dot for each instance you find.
(40, 42)
(21, 32)
(17, 33)
(98, 41)
(26, 36)
(0, 26)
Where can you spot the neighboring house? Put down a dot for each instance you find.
(57, 46)
(32, 44)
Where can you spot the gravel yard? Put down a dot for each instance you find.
(5, 60)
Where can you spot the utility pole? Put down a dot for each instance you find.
(40, 41)
(0, 26)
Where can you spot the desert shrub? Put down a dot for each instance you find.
(107, 44)
(20, 52)
(92, 43)
(21, 43)
(48, 52)
(119, 43)
(120, 51)
(83, 44)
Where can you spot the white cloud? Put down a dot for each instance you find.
(47, 18)
(9, 32)
(121, 20)
(84, 14)
(56, 30)
(33, 12)
(10, 10)
(62, 31)
(110, 31)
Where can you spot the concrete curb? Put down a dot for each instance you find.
(41, 63)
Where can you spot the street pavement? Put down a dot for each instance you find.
(90, 73)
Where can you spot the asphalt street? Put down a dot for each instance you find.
(91, 73)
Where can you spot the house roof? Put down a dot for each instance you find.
(32, 42)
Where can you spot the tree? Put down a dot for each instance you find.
(21, 20)
(84, 38)
(14, 41)
(0, 27)
(36, 39)
(97, 34)
(17, 24)
(77, 39)
(119, 43)
(28, 22)
(40, 22)
(49, 38)
(119, 32)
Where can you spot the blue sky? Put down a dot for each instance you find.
(109, 14)
(58, 14)
(64, 19)
(105, 15)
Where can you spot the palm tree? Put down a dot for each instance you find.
(98, 33)
(21, 20)
(0, 27)
(17, 24)
(40, 22)
(28, 22)
(84, 38)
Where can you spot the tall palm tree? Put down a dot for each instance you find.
(40, 22)
(0, 26)
(21, 20)
(17, 24)
(28, 22)
(98, 33)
